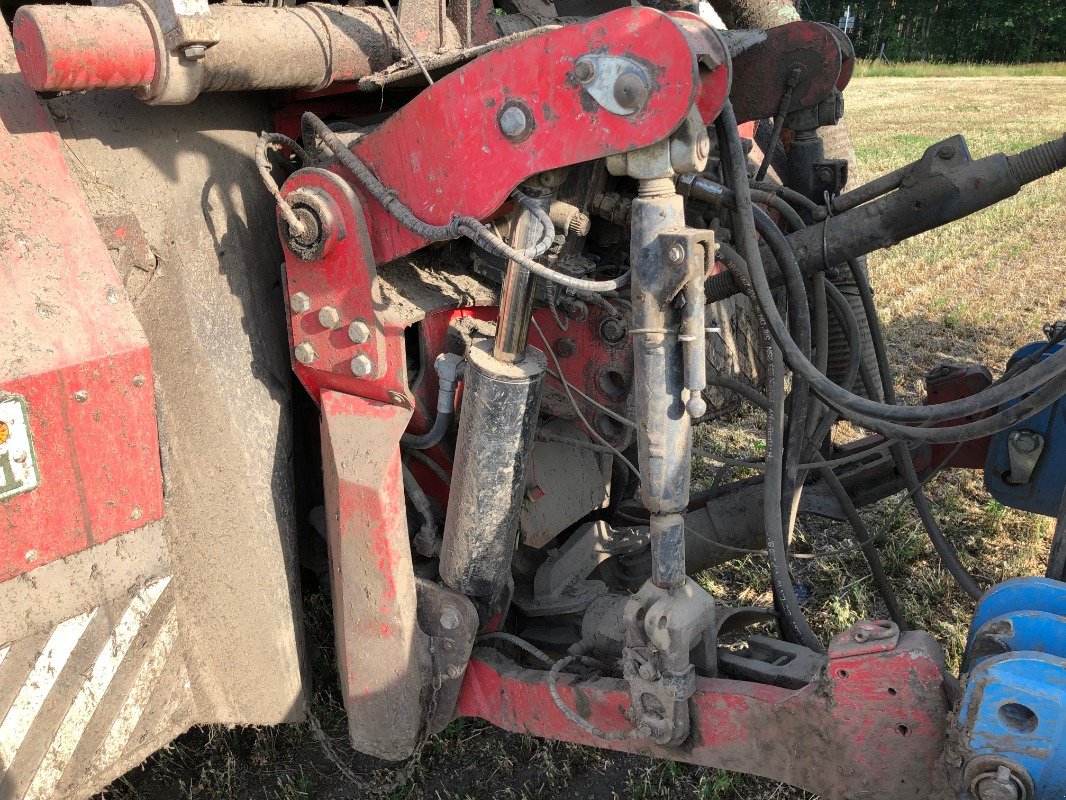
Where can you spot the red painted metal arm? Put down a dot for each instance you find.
(444, 152)
(873, 727)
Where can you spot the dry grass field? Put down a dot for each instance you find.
(974, 291)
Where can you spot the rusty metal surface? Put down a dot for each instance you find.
(760, 71)
(872, 728)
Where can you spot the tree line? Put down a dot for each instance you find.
(980, 31)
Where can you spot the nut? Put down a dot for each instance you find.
(362, 366)
(676, 254)
(329, 317)
(300, 303)
(1025, 441)
(565, 347)
(947, 152)
(195, 52)
(359, 332)
(305, 353)
(584, 71)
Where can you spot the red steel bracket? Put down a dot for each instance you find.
(873, 726)
(382, 654)
(444, 153)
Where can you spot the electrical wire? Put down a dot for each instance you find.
(262, 161)
(469, 227)
(577, 409)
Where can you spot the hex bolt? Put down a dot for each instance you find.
(584, 71)
(305, 353)
(454, 671)
(565, 348)
(359, 332)
(676, 254)
(329, 317)
(629, 91)
(513, 122)
(947, 152)
(81, 396)
(449, 618)
(300, 303)
(195, 52)
(362, 366)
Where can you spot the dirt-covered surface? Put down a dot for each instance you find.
(974, 291)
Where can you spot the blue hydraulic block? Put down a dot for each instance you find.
(1012, 722)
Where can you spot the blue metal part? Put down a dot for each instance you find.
(1042, 493)
(1014, 706)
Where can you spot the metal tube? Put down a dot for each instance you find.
(519, 286)
(497, 428)
(664, 442)
(70, 48)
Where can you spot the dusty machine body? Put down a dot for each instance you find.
(463, 307)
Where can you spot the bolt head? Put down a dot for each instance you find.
(305, 353)
(565, 347)
(362, 366)
(613, 330)
(1024, 441)
(359, 332)
(449, 618)
(630, 91)
(300, 303)
(947, 152)
(584, 71)
(454, 671)
(703, 146)
(195, 52)
(329, 317)
(676, 254)
(514, 122)
(81, 396)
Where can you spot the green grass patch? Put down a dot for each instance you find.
(931, 69)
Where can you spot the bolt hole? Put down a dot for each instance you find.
(903, 730)
(892, 692)
(1018, 717)
(842, 673)
(614, 383)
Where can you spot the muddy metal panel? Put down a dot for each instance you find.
(79, 456)
(194, 231)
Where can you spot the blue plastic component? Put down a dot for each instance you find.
(1014, 706)
(1043, 493)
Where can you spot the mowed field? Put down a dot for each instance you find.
(972, 292)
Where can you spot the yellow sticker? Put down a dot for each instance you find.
(4, 432)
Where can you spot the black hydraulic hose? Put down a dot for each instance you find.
(469, 227)
(441, 423)
(878, 416)
(734, 166)
(790, 196)
(901, 455)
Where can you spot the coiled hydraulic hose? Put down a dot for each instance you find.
(1047, 378)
